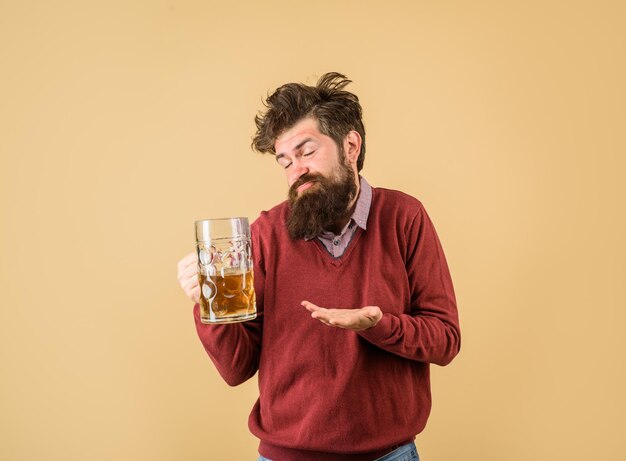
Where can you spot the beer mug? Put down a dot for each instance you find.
(225, 270)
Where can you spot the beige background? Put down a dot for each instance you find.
(124, 121)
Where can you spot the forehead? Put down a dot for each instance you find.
(306, 128)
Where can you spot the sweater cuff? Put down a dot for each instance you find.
(381, 331)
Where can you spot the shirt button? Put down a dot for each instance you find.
(335, 242)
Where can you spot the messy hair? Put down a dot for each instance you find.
(336, 110)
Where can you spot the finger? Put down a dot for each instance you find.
(342, 322)
(191, 279)
(189, 285)
(320, 312)
(325, 322)
(195, 294)
(189, 271)
(323, 315)
(191, 258)
(318, 315)
(310, 306)
(192, 293)
(345, 318)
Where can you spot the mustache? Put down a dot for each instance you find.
(303, 180)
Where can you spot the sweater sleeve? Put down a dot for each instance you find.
(430, 333)
(235, 348)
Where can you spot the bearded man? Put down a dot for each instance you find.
(354, 295)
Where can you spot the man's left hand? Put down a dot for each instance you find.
(350, 319)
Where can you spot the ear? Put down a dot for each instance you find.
(352, 146)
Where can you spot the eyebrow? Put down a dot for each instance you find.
(298, 146)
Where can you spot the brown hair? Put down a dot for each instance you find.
(337, 112)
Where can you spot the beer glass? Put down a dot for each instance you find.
(225, 270)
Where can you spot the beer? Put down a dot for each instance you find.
(225, 270)
(227, 298)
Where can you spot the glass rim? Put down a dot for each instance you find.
(221, 219)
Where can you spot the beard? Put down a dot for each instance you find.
(322, 205)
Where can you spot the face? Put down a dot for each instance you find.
(323, 182)
(303, 149)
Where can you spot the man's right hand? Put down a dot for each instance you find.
(188, 276)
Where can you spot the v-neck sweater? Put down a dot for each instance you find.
(327, 393)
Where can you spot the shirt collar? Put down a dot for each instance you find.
(363, 204)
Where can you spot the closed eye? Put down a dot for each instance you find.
(283, 161)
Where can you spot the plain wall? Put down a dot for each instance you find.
(122, 122)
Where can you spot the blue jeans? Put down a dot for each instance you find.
(406, 452)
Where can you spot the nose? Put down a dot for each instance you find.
(297, 170)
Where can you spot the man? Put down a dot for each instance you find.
(354, 295)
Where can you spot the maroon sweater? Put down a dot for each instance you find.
(332, 394)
